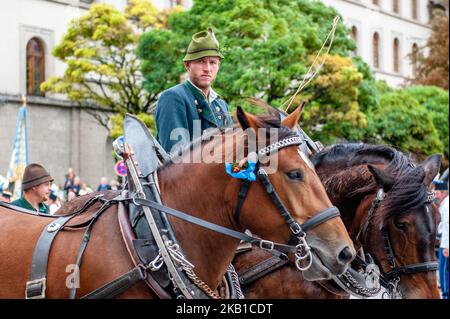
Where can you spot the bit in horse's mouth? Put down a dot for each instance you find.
(318, 270)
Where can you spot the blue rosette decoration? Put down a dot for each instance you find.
(246, 172)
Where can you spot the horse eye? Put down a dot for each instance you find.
(401, 226)
(295, 175)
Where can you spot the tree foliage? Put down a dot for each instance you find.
(103, 74)
(432, 68)
(413, 120)
(268, 48)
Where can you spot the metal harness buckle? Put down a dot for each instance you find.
(263, 243)
(35, 286)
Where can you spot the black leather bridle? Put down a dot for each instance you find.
(298, 232)
(391, 279)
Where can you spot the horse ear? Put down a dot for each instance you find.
(246, 120)
(431, 166)
(381, 178)
(292, 119)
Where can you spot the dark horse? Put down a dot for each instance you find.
(203, 190)
(404, 220)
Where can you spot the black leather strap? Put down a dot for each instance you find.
(264, 244)
(36, 284)
(85, 241)
(293, 225)
(243, 191)
(260, 270)
(118, 285)
(413, 268)
(320, 218)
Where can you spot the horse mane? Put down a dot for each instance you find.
(408, 190)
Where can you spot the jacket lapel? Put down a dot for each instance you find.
(203, 108)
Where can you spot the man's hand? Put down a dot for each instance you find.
(445, 252)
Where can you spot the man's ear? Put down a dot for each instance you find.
(186, 65)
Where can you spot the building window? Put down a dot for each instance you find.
(174, 3)
(395, 6)
(414, 58)
(376, 50)
(354, 36)
(414, 9)
(35, 66)
(396, 55)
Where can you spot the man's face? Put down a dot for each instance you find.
(202, 72)
(42, 191)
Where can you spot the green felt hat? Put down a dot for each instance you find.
(203, 44)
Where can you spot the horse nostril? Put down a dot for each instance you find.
(346, 255)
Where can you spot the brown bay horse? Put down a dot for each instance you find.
(201, 189)
(352, 175)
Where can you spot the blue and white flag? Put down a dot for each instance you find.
(19, 156)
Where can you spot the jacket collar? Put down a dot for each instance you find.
(203, 106)
(212, 94)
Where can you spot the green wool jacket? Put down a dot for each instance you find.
(178, 108)
(22, 202)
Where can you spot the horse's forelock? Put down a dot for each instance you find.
(408, 193)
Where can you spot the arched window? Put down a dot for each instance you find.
(414, 58)
(414, 9)
(395, 6)
(396, 52)
(354, 36)
(35, 66)
(376, 50)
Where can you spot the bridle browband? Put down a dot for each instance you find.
(391, 279)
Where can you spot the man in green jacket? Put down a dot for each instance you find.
(186, 110)
(36, 184)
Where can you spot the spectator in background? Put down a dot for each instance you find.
(113, 185)
(36, 183)
(5, 196)
(54, 203)
(443, 249)
(103, 185)
(76, 187)
(71, 194)
(85, 189)
(70, 178)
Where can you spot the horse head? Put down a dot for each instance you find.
(402, 235)
(303, 195)
(286, 193)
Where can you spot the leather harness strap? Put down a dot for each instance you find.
(36, 284)
(119, 285)
(260, 270)
(264, 244)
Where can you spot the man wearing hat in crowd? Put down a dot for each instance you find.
(193, 106)
(5, 196)
(36, 184)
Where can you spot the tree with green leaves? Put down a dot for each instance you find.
(268, 48)
(407, 120)
(103, 74)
